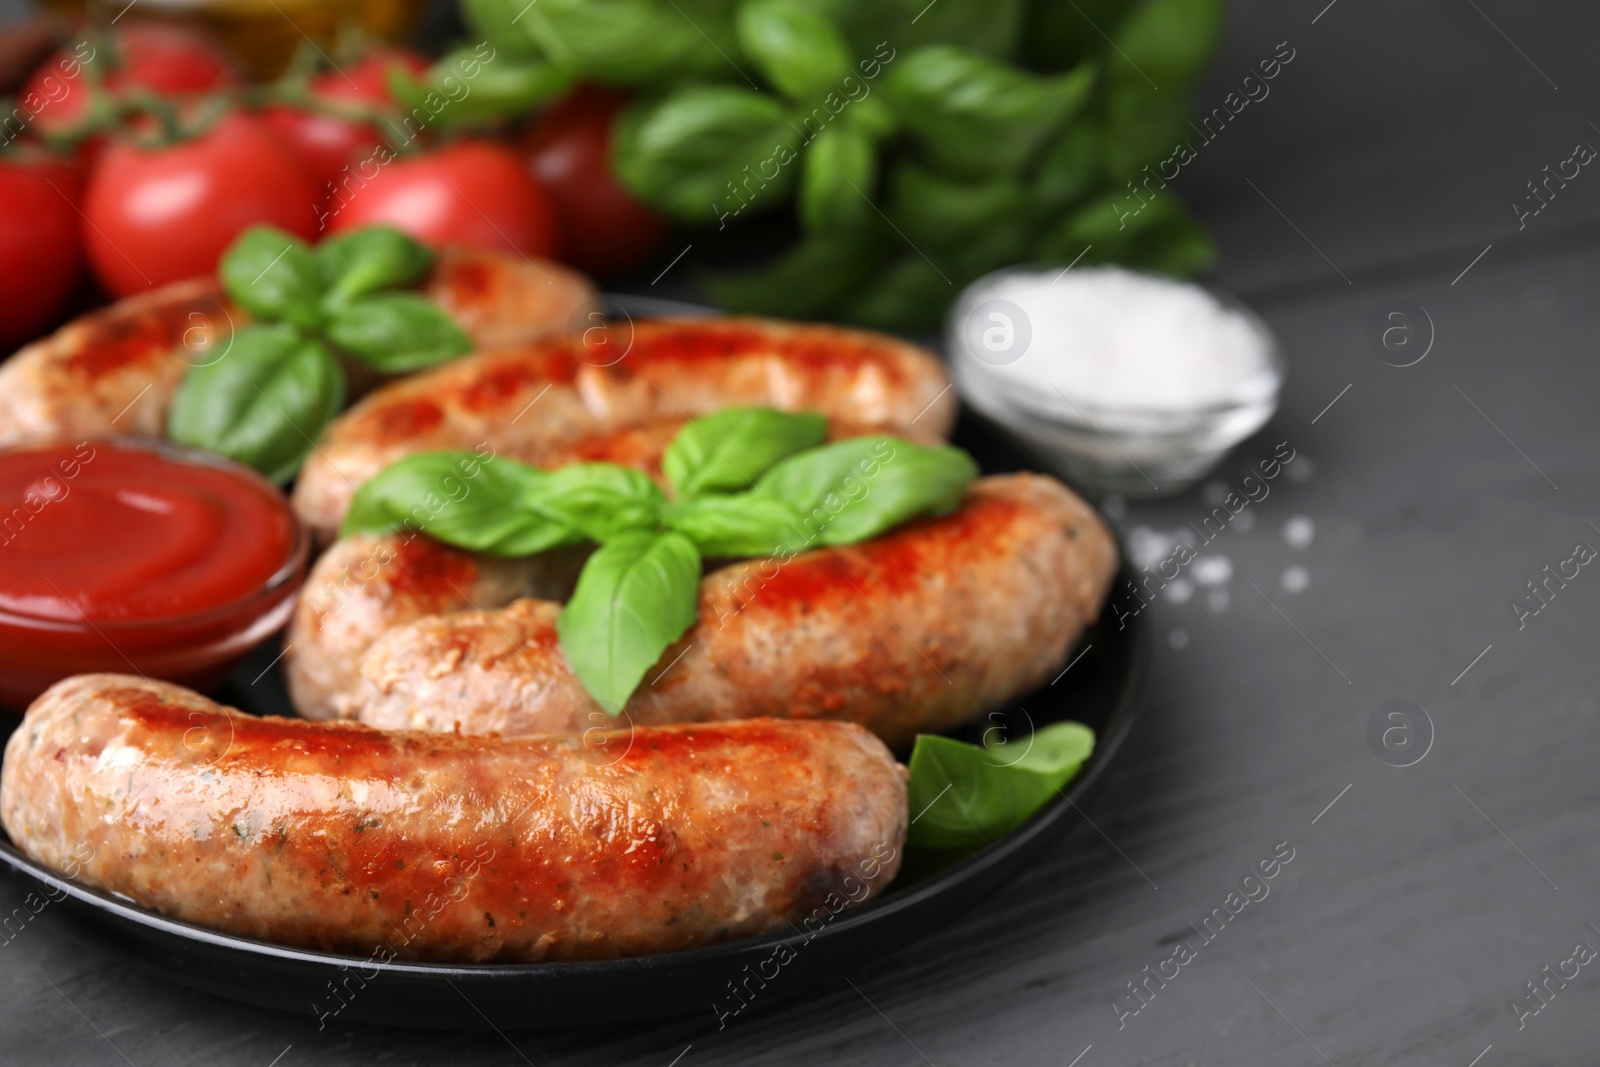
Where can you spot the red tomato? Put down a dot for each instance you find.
(568, 148)
(167, 59)
(468, 192)
(325, 143)
(40, 259)
(153, 216)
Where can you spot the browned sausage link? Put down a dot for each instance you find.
(529, 401)
(365, 585)
(117, 370)
(910, 633)
(338, 837)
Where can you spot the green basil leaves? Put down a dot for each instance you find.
(977, 116)
(365, 261)
(273, 275)
(636, 595)
(795, 45)
(727, 451)
(746, 107)
(965, 795)
(864, 486)
(747, 482)
(461, 498)
(263, 402)
(397, 332)
(748, 525)
(689, 152)
(268, 396)
(600, 501)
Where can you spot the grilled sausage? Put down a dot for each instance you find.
(365, 585)
(913, 632)
(116, 370)
(338, 837)
(528, 401)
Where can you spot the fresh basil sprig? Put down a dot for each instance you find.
(262, 402)
(969, 795)
(269, 395)
(746, 482)
(462, 499)
(727, 451)
(636, 595)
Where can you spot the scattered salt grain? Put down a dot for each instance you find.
(1299, 532)
(1213, 570)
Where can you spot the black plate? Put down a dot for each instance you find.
(1100, 691)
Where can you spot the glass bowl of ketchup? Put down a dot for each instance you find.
(137, 556)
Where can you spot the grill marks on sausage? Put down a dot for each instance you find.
(113, 341)
(439, 846)
(891, 565)
(513, 377)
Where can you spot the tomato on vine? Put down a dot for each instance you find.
(160, 213)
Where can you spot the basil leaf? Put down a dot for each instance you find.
(462, 88)
(749, 524)
(969, 795)
(991, 27)
(1166, 42)
(977, 116)
(263, 403)
(1177, 244)
(906, 296)
(460, 498)
(795, 45)
(729, 450)
(837, 173)
(273, 275)
(397, 332)
(366, 260)
(943, 213)
(497, 21)
(629, 42)
(600, 500)
(706, 149)
(805, 281)
(1160, 50)
(853, 490)
(1072, 165)
(636, 595)
(1159, 234)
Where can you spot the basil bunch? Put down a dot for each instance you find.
(266, 398)
(918, 145)
(745, 481)
(968, 795)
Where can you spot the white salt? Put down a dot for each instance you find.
(1109, 338)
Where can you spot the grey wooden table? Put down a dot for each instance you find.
(1420, 900)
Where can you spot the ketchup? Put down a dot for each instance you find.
(134, 556)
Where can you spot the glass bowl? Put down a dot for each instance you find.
(197, 649)
(1131, 450)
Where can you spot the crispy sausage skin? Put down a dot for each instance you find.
(529, 401)
(913, 632)
(338, 837)
(364, 585)
(116, 370)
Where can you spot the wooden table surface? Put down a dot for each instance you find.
(1420, 900)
